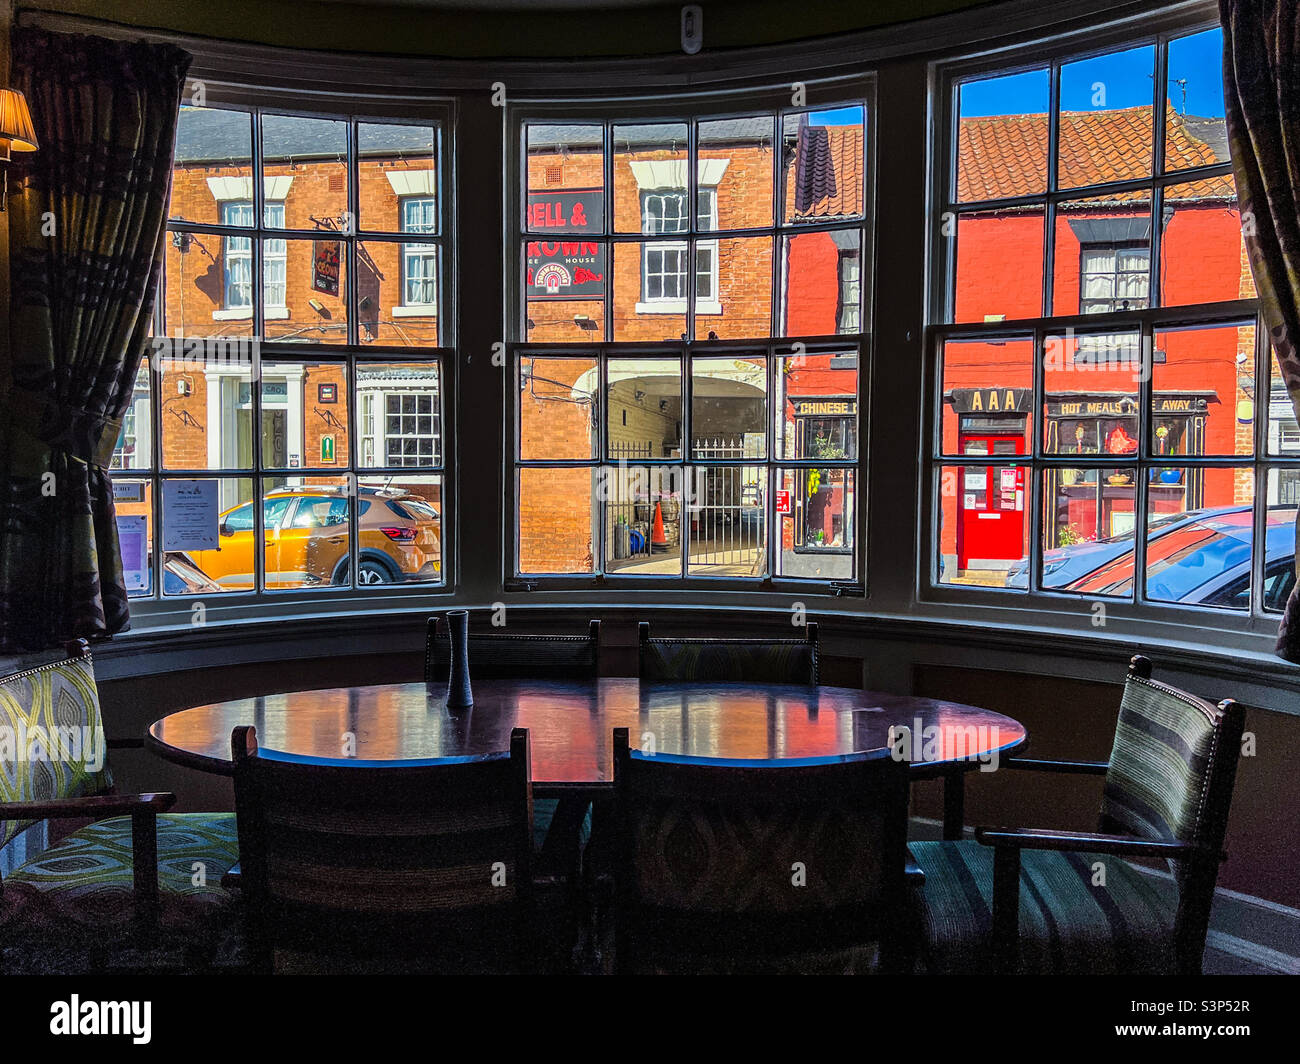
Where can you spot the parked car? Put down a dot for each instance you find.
(1202, 557)
(182, 577)
(306, 539)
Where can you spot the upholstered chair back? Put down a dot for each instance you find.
(52, 742)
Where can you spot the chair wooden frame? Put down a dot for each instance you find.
(433, 668)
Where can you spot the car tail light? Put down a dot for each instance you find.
(399, 534)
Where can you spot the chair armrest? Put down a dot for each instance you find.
(96, 807)
(1120, 845)
(1067, 768)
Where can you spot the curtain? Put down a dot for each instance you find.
(1261, 73)
(86, 230)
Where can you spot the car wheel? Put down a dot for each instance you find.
(372, 571)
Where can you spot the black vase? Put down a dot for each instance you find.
(459, 693)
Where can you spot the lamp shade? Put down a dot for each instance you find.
(16, 121)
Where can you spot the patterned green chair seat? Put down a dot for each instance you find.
(1067, 925)
(86, 880)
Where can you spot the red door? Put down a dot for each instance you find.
(991, 505)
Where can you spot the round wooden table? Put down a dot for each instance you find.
(570, 726)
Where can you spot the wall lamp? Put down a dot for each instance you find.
(16, 134)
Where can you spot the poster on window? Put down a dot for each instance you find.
(133, 540)
(189, 514)
(566, 269)
(325, 266)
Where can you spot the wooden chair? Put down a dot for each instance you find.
(561, 827)
(378, 867)
(506, 654)
(136, 887)
(740, 866)
(793, 661)
(1031, 901)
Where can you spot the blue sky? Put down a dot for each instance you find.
(836, 116)
(1126, 77)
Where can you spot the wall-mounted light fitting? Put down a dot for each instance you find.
(16, 134)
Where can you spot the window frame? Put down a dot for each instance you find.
(692, 109)
(440, 112)
(1158, 29)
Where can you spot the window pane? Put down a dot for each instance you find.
(644, 404)
(983, 527)
(557, 408)
(399, 530)
(823, 153)
(395, 164)
(644, 508)
(1202, 391)
(1199, 553)
(1279, 562)
(304, 415)
(134, 448)
(133, 504)
(1105, 126)
(308, 521)
(1090, 403)
(727, 522)
(648, 160)
(213, 163)
(397, 293)
(1283, 432)
(208, 286)
(1088, 523)
(557, 516)
(1103, 254)
(735, 172)
(651, 287)
(565, 179)
(564, 290)
(1195, 130)
(305, 160)
(987, 396)
(733, 288)
(207, 413)
(1002, 136)
(305, 287)
(816, 406)
(399, 411)
(815, 511)
(822, 283)
(728, 408)
(999, 270)
(227, 567)
(1202, 251)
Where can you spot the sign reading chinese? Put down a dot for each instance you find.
(325, 266)
(782, 502)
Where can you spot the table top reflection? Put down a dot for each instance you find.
(570, 725)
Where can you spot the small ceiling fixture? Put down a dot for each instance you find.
(16, 134)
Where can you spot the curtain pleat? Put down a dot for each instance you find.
(86, 230)
(1261, 73)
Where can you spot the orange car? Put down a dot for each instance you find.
(306, 539)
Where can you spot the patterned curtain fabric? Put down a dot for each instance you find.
(1261, 72)
(86, 229)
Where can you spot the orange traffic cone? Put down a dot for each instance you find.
(658, 541)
